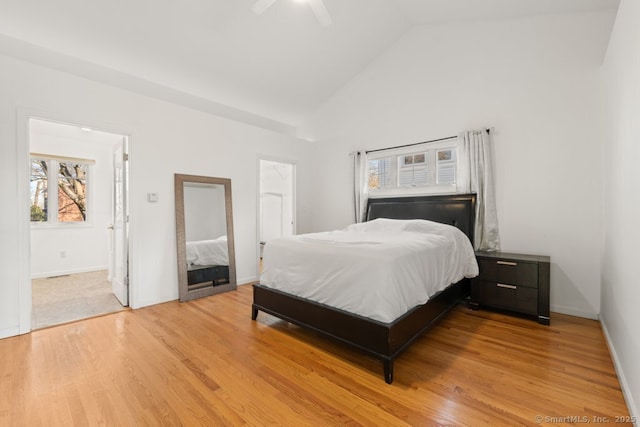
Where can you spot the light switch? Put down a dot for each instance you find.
(152, 197)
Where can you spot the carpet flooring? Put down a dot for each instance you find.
(72, 297)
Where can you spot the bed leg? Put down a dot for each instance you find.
(388, 371)
(254, 313)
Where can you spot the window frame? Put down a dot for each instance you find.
(430, 150)
(412, 167)
(454, 159)
(52, 220)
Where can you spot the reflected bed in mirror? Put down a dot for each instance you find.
(204, 236)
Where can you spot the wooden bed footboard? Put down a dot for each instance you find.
(384, 341)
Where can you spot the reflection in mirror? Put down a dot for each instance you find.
(204, 236)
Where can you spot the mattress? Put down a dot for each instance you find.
(208, 252)
(379, 269)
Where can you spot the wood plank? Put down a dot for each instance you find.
(205, 362)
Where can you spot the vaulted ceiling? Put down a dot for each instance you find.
(271, 70)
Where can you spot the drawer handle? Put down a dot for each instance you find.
(502, 285)
(507, 263)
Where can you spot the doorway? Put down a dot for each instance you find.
(78, 222)
(276, 217)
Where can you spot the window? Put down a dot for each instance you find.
(379, 173)
(39, 190)
(446, 166)
(69, 201)
(412, 170)
(433, 170)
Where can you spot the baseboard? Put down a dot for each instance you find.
(247, 280)
(248, 283)
(572, 311)
(9, 332)
(67, 272)
(628, 397)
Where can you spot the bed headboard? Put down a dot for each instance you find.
(458, 210)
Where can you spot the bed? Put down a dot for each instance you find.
(207, 262)
(382, 337)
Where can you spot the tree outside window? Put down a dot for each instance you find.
(39, 190)
(70, 205)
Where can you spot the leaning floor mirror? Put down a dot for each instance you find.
(204, 236)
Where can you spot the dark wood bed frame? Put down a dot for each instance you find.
(383, 340)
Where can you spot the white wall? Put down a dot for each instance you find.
(205, 215)
(86, 246)
(537, 81)
(165, 139)
(619, 312)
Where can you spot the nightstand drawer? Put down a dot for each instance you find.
(509, 272)
(510, 297)
(519, 298)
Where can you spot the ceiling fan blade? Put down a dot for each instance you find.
(321, 12)
(261, 5)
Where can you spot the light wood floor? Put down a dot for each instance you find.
(206, 363)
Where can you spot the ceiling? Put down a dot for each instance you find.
(271, 70)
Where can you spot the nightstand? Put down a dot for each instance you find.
(515, 282)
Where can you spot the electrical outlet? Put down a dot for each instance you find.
(63, 254)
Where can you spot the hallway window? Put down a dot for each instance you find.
(39, 190)
(69, 201)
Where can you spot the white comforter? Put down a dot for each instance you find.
(378, 269)
(208, 252)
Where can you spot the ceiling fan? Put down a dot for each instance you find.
(317, 6)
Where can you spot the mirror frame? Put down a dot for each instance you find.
(183, 287)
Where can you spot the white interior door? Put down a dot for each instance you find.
(272, 216)
(120, 228)
(277, 200)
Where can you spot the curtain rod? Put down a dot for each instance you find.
(416, 143)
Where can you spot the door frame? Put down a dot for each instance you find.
(294, 164)
(123, 297)
(23, 145)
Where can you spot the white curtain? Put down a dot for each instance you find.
(478, 164)
(360, 185)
